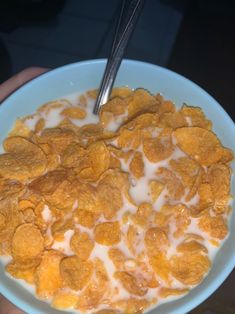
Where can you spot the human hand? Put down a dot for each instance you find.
(6, 89)
(8, 308)
(19, 79)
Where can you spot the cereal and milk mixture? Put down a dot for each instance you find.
(116, 213)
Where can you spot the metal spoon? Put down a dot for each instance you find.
(129, 14)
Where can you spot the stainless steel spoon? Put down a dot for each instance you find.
(129, 14)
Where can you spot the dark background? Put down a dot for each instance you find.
(193, 38)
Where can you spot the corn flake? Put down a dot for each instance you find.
(27, 242)
(74, 112)
(131, 283)
(108, 233)
(189, 268)
(76, 272)
(166, 292)
(81, 244)
(48, 278)
(200, 144)
(156, 188)
(63, 300)
(216, 226)
(23, 159)
(137, 165)
(157, 149)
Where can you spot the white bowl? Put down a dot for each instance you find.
(81, 76)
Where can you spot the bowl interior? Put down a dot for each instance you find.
(82, 76)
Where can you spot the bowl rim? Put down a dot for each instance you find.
(228, 267)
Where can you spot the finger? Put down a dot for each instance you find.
(19, 79)
(8, 308)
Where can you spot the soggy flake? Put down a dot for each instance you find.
(137, 165)
(172, 182)
(106, 193)
(131, 283)
(189, 268)
(117, 257)
(25, 271)
(85, 218)
(27, 242)
(115, 107)
(143, 214)
(156, 239)
(157, 149)
(75, 272)
(59, 139)
(156, 188)
(219, 177)
(167, 292)
(160, 265)
(48, 277)
(23, 159)
(196, 117)
(74, 112)
(191, 247)
(200, 144)
(81, 244)
(216, 226)
(172, 120)
(108, 233)
(20, 129)
(64, 299)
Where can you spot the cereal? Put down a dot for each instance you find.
(200, 144)
(88, 198)
(82, 245)
(196, 117)
(48, 277)
(189, 268)
(156, 240)
(97, 289)
(56, 189)
(10, 188)
(117, 257)
(215, 226)
(173, 184)
(108, 233)
(219, 177)
(143, 214)
(75, 272)
(160, 265)
(191, 247)
(172, 120)
(107, 192)
(85, 218)
(157, 149)
(131, 283)
(74, 113)
(63, 300)
(23, 160)
(110, 214)
(133, 239)
(59, 139)
(166, 292)
(137, 165)
(141, 101)
(25, 271)
(27, 242)
(156, 187)
(97, 161)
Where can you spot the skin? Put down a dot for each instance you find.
(6, 89)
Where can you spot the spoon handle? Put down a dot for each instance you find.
(130, 12)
